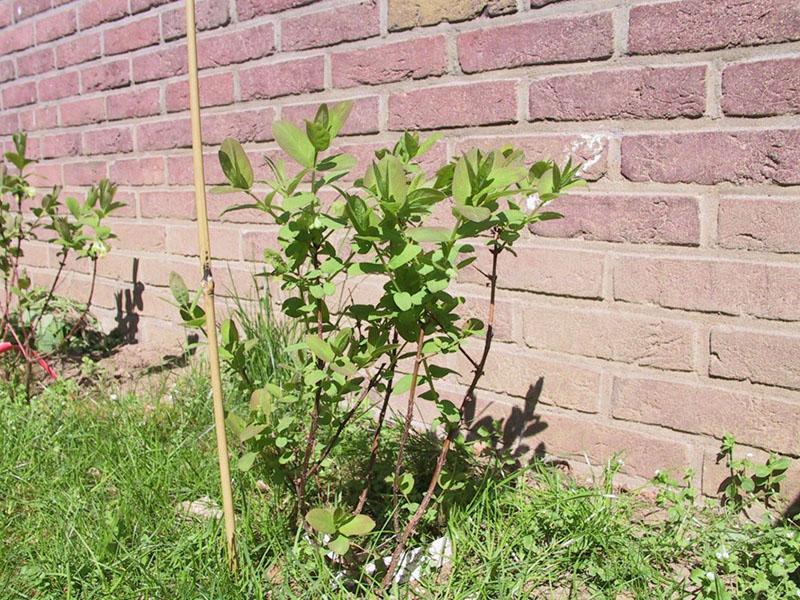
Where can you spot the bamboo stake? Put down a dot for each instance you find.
(208, 284)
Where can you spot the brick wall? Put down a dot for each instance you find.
(663, 311)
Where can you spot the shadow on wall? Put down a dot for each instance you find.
(128, 302)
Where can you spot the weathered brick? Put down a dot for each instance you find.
(80, 49)
(85, 172)
(138, 6)
(16, 38)
(475, 306)
(244, 126)
(138, 171)
(83, 111)
(733, 287)
(709, 157)
(215, 90)
(95, 12)
(638, 219)
(328, 27)
(414, 59)
(139, 236)
(164, 135)
(225, 241)
(24, 9)
(649, 93)
(35, 62)
(19, 94)
(58, 25)
(112, 140)
(209, 15)
(762, 89)
(58, 86)
(107, 76)
(6, 70)
(282, 79)
(754, 420)
(457, 105)
(405, 14)
(181, 172)
(9, 123)
(236, 46)
(694, 25)
(170, 204)
(756, 356)
(566, 39)
(132, 36)
(6, 14)
(767, 224)
(133, 103)
(363, 117)
(160, 64)
(64, 144)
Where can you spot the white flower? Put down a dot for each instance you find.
(749, 455)
(98, 249)
(658, 472)
(30, 191)
(781, 561)
(790, 535)
(113, 396)
(710, 576)
(722, 554)
(532, 202)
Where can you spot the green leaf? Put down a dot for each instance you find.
(261, 399)
(337, 115)
(408, 254)
(321, 519)
(402, 300)
(340, 545)
(294, 142)
(298, 201)
(179, 290)
(429, 234)
(246, 461)
(251, 431)
(403, 385)
(475, 214)
(358, 525)
(461, 183)
(319, 348)
(318, 135)
(235, 164)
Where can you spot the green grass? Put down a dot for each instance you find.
(89, 486)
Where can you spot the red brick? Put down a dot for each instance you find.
(181, 172)
(9, 123)
(248, 9)
(364, 153)
(208, 15)
(732, 287)
(363, 117)
(19, 94)
(94, 12)
(457, 105)
(138, 6)
(637, 219)
(567, 39)
(54, 26)
(236, 46)
(407, 14)
(35, 62)
(255, 242)
(46, 118)
(244, 126)
(16, 38)
(694, 25)
(139, 236)
(58, 86)
(131, 36)
(328, 27)
(78, 50)
(24, 9)
(85, 172)
(753, 420)
(6, 14)
(282, 79)
(112, 140)
(65, 144)
(160, 64)
(224, 241)
(107, 76)
(215, 90)
(164, 135)
(138, 171)
(6, 70)
(83, 111)
(756, 356)
(133, 103)
(414, 59)
(762, 89)
(167, 204)
(709, 157)
(766, 224)
(662, 93)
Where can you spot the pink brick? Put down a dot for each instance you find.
(215, 90)
(27, 8)
(9, 123)
(78, 50)
(209, 15)
(364, 153)
(638, 219)
(328, 27)
(85, 172)
(46, 118)
(765, 224)
(139, 236)
(138, 6)
(164, 135)
(6, 70)
(83, 111)
(694, 25)
(254, 243)
(663, 93)
(167, 204)
(709, 157)
(58, 86)
(94, 12)
(754, 420)
(248, 9)
(108, 141)
(567, 39)
(414, 59)
(132, 36)
(54, 26)
(160, 64)
(6, 14)
(224, 241)
(756, 356)
(138, 171)
(282, 79)
(244, 126)
(762, 89)
(363, 117)
(732, 287)
(19, 94)
(65, 144)
(236, 46)
(133, 103)
(107, 76)
(457, 105)
(35, 62)
(16, 38)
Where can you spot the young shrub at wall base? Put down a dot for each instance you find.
(332, 234)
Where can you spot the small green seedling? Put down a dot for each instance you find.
(340, 525)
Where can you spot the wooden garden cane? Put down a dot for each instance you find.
(208, 284)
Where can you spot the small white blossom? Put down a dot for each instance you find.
(710, 576)
(657, 472)
(749, 455)
(532, 202)
(113, 396)
(781, 561)
(98, 249)
(722, 554)
(30, 191)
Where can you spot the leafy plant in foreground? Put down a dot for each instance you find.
(356, 356)
(749, 482)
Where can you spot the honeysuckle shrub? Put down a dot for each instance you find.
(34, 322)
(336, 227)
